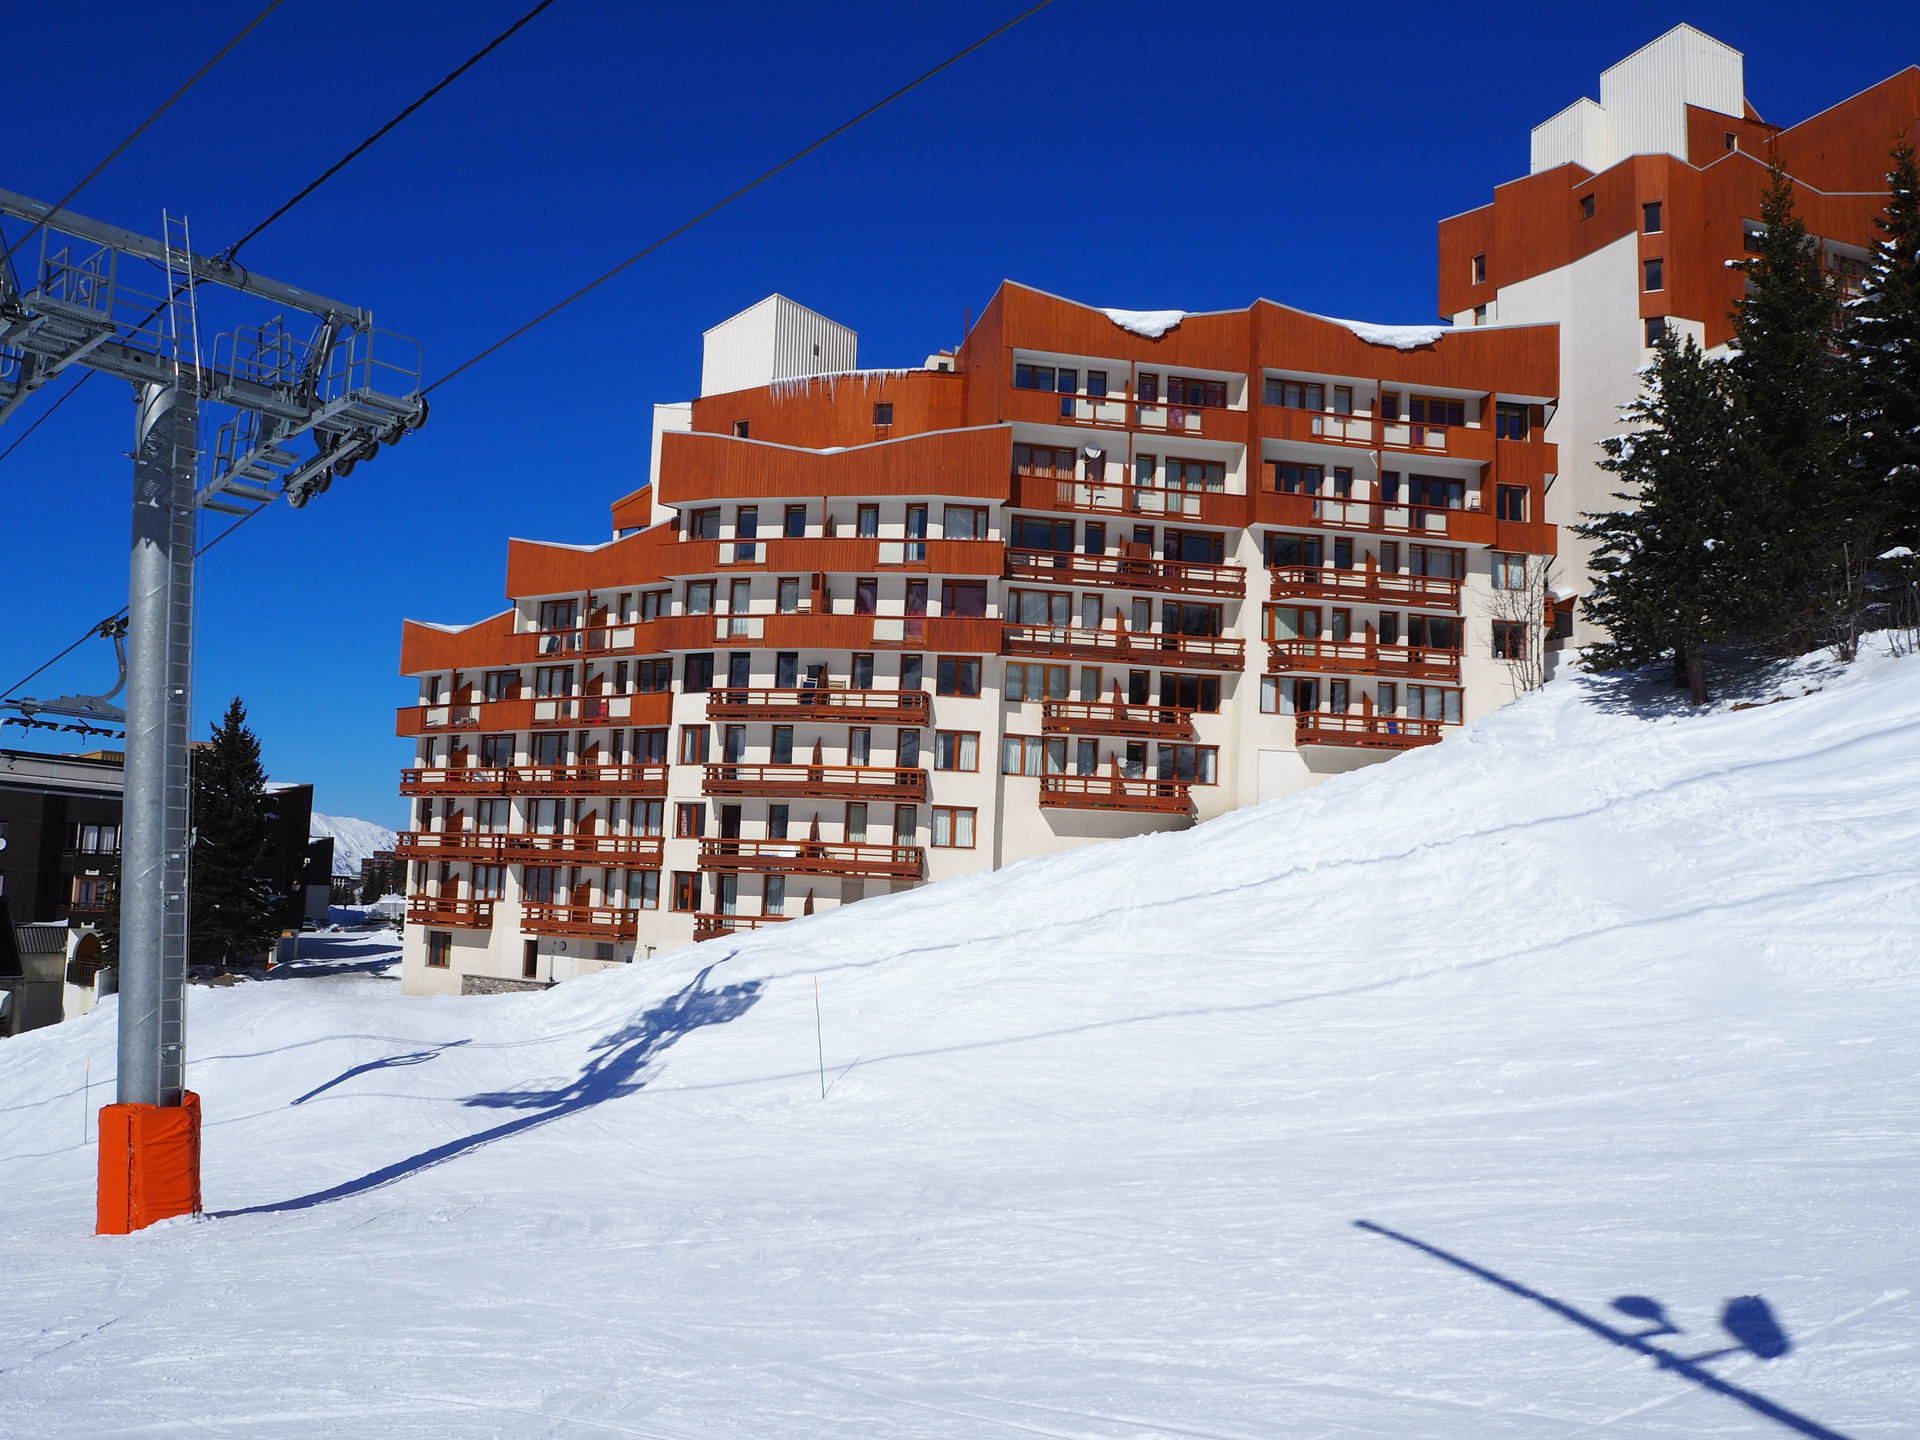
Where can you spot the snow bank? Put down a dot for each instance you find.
(1606, 1004)
(1149, 323)
(1400, 337)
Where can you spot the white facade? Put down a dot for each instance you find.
(1643, 102)
(776, 339)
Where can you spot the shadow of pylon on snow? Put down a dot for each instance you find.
(1747, 1318)
(615, 1070)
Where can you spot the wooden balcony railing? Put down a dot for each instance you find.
(450, 845)
(578, 849)
(1325, 512)
(1091, 717)
(1113, 792)
(1364, 587)
(813, 857)
(598, 922)
(1205, 652)
(708, 926)
(1379, 732)
(1127, 572)
(1122, 497)
(1364, 657)
(536, 780)
(821, 782)
(445, 910)
(835, 707)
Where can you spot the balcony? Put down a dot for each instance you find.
(594, 922)
(844, 554)
(1362, 657)
(1372, 433)
(1122, 412)
(1127, 572)
(643, 780)
(1089, 717)
(1123, 647)
(1050, 490)
(449, 845)
(534, 713)
(579, 849)
(1114, 792)
(1308, 512)
(1364, 587)
(708, 926)
(813, 857)
(1368, 732)
(817, 782)
(834, 707)
(445, 910)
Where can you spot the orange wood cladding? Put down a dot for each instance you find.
(1206, 652)
(1309, 512)
(1363, 657)
(819, 782)
(536, 780)
(1380, 732)
(836, 409)
(653, 708)
(844, 554)
(708, 926)
(1127, 572)
(602, 922)
(839, 707)
(446, 910)
(1364, 587)
(963, 464)
(1138, 502)
(1104, 792)
(534, 568)
(1094, 717)
(813, 857)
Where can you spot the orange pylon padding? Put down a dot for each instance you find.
(149, 1164)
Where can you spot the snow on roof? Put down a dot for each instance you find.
(803, 384)
(1149, 323)
(1400, 337)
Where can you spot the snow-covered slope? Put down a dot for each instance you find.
(353, 840)
(1604, 1006)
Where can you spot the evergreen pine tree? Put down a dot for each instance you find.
(1883, 346)
(1794, 539)
(231, 916)
(1667, 585)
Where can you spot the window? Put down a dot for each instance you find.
(648, 816)
(689, 821)
(1650, 217)
(1147, 383)
(557, 614)
(96, 839)
(854, 827)
(956, 750)
(787, 596)
(653, 676)
(1144, 467)
(773, 890)
(1292, 478)
(704, 524)
(1728, 139)
(1291, 622)
(866, 521)
(1034, 377)
(549, 748)
(916, 550)
(1340, 626)
(650, 746)
(686, 890)
(746, 531)
(883, 412)
(1195, 474)
(552, 680)
(964, 522)
(654, 604)
(530, 960)
(1432, 702)
(1033, 755)
(1187, 764)
(1436, 410)
(643, 889)
(439, 949)
(696, 673)
(866, 595)
(794, 524)
(699, 599)
(1040, 607)
(89, 892)
(1179, 617)
(1033, 533)
(1434, 492)
(906, 824)
(1509, 639)
(1190, 692)
(1480, 269)
(863, 671)
(780, 747)
(1509, 571)
(1097, 383)
(501, 684)
(1036, 682)
(1480, 314)
(778, 818)
(911, 677)
(963, 597)
(1510, 502)
(1053, 460)
(1586, 207)
(1182, 391)
(1653, 276)
(1296, 394)
(1388, 631)
(489, 882)
(740, 429)
(906, 749)
(1286, 549)
(860, 745)
(541, 885)
(1433, 632)
(493, 817)
(952, 828)
(1510, 422)
(693, 744)
(1655, 327)
(957, 675)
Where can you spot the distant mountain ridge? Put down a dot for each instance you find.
(353, 840)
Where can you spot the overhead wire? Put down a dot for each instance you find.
(727, 200)
(146, 124)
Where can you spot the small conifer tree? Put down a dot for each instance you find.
(1883, 351)
(231, 901)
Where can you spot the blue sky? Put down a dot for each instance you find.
(1123, 153)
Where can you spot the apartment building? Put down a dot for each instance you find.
(1092, 574)
(1633, 210)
